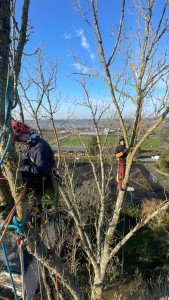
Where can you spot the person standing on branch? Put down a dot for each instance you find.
(39, 162)
(121, 153)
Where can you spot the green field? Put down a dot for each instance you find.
(111, 141)
(75, 141)
(151, 142)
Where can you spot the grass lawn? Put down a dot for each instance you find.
(75, 141)
(151, 142)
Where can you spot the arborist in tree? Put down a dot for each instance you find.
(39, 162)
(121, 153)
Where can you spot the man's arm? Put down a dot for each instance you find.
(39, 164)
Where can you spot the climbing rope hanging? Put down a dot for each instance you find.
(9, 217)
(21, 242)
(9, 269)
(18, 226)
(8, 108)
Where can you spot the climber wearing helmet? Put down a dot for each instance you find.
(39, 160)
(121, 150)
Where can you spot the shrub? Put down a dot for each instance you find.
(163, 162)
(93, 147)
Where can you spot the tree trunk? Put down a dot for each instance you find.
(5, 197)
(97, 289)
(4, 53)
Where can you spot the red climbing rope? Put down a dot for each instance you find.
(51, 247)
(9, 217)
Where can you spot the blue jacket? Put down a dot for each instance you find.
(40, 158)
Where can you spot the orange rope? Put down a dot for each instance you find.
(52, 252)
(5, 176)
(9, 217)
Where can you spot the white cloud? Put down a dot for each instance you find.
(67, 36)
(80, 68)
(79, 32)
(92, 56)
(84, 42)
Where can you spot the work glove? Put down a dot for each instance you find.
(25, 161)
(131, 148)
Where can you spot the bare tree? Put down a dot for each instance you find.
(42, 76)
(136, 81)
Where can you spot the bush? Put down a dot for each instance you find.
(93, 147)
(163, 162)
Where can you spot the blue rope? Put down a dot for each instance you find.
(19, 225)
(7, 146)
(15, 227)
(7, 99)
(9, 269)
(8, 106)
(131, 200)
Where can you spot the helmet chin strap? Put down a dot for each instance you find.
(20, 140)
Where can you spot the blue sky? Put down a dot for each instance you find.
(58, 27)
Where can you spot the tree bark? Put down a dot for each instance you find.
(5, 197)
(97, 289)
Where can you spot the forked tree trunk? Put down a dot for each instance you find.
(5, 197)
